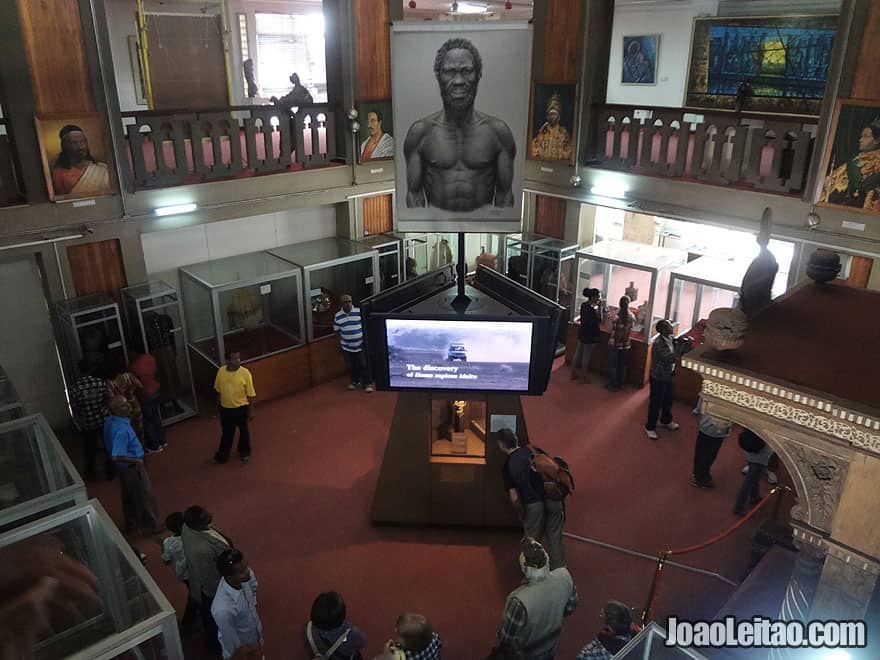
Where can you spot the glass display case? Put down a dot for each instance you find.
(91, 328)
(152, 310)
(518, 255)
(415, 257)
(707, 283)
(443, 249)
(331, 267)
(36, 475)
(10, 405)
(390, 263)
(486, 249)
(251, 303)
(458, 431)
(641, 272)
(552, 270)
(131, 618)
(651, 643)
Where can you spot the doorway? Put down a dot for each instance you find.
(28, 351)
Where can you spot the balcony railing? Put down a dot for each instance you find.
(170, 148)
(10, 188)
(767, 153)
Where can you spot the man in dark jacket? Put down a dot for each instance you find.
(616, 633)
(542, 518)
(592, 316)
(665, 354)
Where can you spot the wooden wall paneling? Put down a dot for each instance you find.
(378, 214)
(325, 360)
(562, 40)
(373, 49)
(187, 62)
(282, 374)
(866, 81)
(550, 216)
(53, 39)
(97, 267)
(859, 272)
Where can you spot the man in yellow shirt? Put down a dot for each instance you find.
(235, 396)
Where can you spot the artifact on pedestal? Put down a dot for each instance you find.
(244, 310)
(824, 266)
(726, 328)
(632, 292)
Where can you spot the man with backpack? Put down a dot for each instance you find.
(536, 492)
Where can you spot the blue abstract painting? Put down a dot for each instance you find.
(640, 60)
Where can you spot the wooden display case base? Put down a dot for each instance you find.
(417, 488)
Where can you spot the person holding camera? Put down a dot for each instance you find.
(666, 351)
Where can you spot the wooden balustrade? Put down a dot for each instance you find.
(768, 153)
(10, 189)
(169, 148)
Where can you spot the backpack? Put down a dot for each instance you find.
(554, 472)
(330, 651)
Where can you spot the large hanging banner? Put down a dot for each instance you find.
(460, 95)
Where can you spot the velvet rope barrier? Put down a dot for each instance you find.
(648, 612)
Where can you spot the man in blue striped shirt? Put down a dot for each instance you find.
(347, 323)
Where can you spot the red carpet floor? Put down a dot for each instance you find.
(300, 512)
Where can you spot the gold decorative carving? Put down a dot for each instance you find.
(780, 410)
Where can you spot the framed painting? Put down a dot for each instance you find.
(551, 123)
(376, 141)
(640, 60)
(852, 158)
(768, 63)
(76, 156)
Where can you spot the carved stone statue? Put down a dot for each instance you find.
(756, 290)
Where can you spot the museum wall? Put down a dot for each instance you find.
(674, 23)
(165, 251)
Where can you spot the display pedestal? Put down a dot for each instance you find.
(639, 369)
(459, 443)
(418, 485)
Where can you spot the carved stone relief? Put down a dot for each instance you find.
(845, 589)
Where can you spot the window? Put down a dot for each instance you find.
(291, 43)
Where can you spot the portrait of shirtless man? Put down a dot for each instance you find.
(458, 158)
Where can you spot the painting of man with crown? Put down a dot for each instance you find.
(852, 161)
(552, 122)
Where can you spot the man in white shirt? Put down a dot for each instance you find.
(235, 604)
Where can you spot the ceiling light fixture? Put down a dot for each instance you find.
(470, 7)
(175, 210)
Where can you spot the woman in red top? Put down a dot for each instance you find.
(619, 344)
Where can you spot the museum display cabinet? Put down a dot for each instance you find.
(131, 618)
(458, 431)
(618, 268)
(485, 249)
(11, 406)
(440, 453)
(552, 271)
(518, 249)
(651, 643)
(695, 289)
(415, 255)
(390, 260)
(250, 303)
(639, 271)
(36, 475)
(153, 316)
(91, 328)
(330, 268)
(442, 249)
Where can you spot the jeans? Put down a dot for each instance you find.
(209, 626)
(138, 503)
(581, 359)
(154, 434)
(230, 419)
(618, 361)
(356, 361)
(659, 403)
(749, 490)
(705, 453)
(543, 522)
